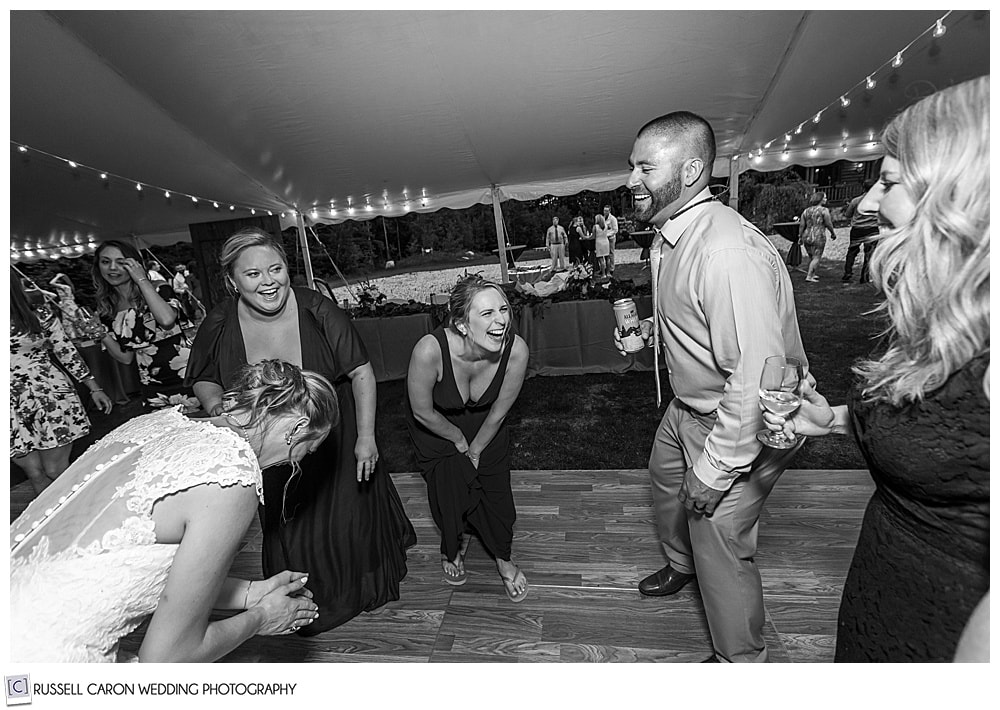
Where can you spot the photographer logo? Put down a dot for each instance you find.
(18, 689)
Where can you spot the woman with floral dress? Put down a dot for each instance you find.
(46, 415)
(142, 325)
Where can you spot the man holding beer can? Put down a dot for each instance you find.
(722, 303)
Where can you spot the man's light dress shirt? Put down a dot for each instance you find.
(723, 302)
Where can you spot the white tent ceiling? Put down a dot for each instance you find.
(274, 110)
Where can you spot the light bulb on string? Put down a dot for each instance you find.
(166, 193)
(71, 163)
(253, 211)
(844, 147)
(788, 138)
(104, 176)
(215, 205)
(768, 144)
(798, 130)
(898, 61)
(138, 186)
(939, 28)
(844, 101)
(270, 213)
(194, 199)
(232, 208)
(816, 118)
(23, 148)
(869, 83)
(784, 154)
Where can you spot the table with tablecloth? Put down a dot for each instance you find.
(575, 338)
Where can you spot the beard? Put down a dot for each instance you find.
(662, 197)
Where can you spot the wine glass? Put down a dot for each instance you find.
(779, 393)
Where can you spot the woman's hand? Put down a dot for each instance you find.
(102, 400)
(474, 458)
(814, 417)
(462, 446)
(135, 270)
(366, 454)
(285, 608)
(260, 588)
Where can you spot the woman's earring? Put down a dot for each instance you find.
(288, 438)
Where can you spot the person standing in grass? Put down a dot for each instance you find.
(555, 240)
(611, 229)
(722, 303)
(462, 381)
(864, 228)
(813, 226)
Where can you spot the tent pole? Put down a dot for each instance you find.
(301, 225)
(501, 242)
(734, 184)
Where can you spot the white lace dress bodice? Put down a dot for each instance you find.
(86, 568)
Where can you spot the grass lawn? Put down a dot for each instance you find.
(608, 421)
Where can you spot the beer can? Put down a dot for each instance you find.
(627, 318)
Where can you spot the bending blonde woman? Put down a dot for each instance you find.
(148, 521)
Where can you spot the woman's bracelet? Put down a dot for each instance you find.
(246, 597)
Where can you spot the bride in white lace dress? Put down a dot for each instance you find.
(149, 520)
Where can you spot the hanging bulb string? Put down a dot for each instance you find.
(140, 186)
(937, 29)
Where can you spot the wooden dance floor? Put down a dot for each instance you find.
(584, 539)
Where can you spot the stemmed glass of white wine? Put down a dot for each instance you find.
(780, 393)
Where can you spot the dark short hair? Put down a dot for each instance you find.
(696, 130)
(816, 198)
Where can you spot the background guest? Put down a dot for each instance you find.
(864, 229)
(576, 230)
(920, 410)
(611, 228)
(813, 226)
(587, 247)
(555, 240)
(46, 415)
(341, 519)
(462, 381)
(141, 324)
(602, 245)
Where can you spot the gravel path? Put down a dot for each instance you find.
(419, 286)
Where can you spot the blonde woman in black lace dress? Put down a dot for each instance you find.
(920, 411)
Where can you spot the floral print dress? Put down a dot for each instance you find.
(45, 410)
(161, 353)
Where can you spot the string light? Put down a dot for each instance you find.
(869, 82)
(232, 208)
(105, 176)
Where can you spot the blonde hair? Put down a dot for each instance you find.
(935, 270)
(244, 239)
(462, 295)
(272, 388)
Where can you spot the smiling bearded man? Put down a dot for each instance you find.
(722, 304)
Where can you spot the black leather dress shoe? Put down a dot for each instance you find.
(664, 582)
